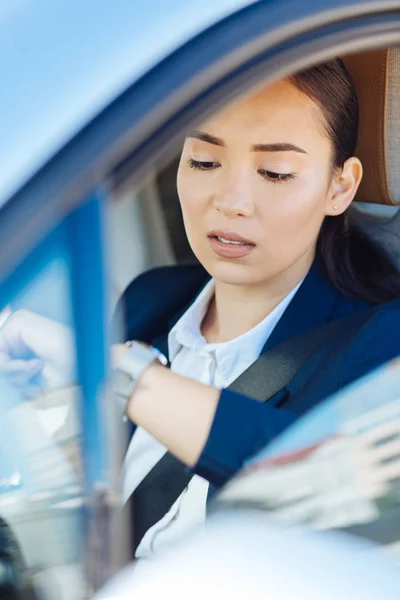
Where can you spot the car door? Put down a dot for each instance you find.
(69, 198)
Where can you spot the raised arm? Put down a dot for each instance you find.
(213, 431)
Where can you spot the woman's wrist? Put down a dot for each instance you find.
(174, 409)
(147, 383)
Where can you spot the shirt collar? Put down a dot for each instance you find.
(244, 349)
(187, 332)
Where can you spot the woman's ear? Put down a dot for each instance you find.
(344, 187)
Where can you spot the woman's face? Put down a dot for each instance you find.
(255, 183)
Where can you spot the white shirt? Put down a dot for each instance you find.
(213, 364)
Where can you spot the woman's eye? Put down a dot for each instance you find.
(201, 165)
(275, 177)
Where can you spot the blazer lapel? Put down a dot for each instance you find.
(311, 306)
(161, 340)
(181, 312)
(161, 343)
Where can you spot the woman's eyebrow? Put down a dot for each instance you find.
(206, 137)
(280, 147)
(277, 147)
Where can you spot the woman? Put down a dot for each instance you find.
(264, 187)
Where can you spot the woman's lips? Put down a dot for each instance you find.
(230, 245)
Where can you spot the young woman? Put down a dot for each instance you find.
(264, 187)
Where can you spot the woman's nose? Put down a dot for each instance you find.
(234, 200)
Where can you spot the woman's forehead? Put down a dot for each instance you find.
(272, 110)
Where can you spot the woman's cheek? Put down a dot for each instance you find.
(306, 199)
(193, 206)
(292, 221)
(195, 198)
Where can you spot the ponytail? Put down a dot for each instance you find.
(355, 265)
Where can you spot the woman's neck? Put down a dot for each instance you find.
(235, 309)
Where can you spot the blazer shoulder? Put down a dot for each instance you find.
(153, 298)
(377, 342)
(165, 277)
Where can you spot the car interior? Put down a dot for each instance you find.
(146, 229)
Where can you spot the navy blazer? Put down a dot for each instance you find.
(154, 301)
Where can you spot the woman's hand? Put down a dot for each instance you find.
(174, 409)
(32, 345)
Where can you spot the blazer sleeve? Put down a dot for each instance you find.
(225, 451)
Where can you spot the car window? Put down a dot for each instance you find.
(140, 237)
(41, 476)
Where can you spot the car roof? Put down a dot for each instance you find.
(66, 61)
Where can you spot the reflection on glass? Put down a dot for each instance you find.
(338, 467)
(41, 483)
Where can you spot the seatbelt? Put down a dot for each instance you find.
(268, 375)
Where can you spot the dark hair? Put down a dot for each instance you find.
(355, 265)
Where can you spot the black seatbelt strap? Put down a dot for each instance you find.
(269, 374)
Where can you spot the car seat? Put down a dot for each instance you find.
(376, 75)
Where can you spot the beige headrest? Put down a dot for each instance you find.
(376, 75)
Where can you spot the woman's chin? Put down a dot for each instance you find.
(235, 274)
